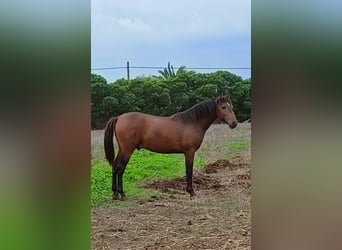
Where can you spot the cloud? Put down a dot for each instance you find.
(151, 32)
(134, 25)
(175, 21)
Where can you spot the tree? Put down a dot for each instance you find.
(108, 104)
(97, 79)
(169, 71)
(99, 90)
(167, 95)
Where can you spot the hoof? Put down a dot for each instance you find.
(192, 195)
(115, 197)
(123, 196)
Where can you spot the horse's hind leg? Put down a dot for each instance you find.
(115, 177)
(121, 169)
(115, 184)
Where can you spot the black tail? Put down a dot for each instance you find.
(108, 140)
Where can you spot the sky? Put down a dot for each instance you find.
(193, 33)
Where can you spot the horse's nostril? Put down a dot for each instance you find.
(233, 124)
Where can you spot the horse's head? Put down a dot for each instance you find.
(224, 111)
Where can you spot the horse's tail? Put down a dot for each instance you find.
(108, 140)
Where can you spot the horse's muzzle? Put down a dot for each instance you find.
(232, 125)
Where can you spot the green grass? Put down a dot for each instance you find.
(235, 147)
(143, 166)
(227, 206)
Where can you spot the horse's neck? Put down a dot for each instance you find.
(205, 122)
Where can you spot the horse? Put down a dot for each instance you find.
(182, 132)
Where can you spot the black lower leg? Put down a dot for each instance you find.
(121, 170)
(120, 186)
(189, 171)
(115, 184)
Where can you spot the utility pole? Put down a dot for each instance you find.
(127, 70)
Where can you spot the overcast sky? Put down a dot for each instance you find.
(194, 33)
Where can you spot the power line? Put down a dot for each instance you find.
(222, 68)
(128, 67)
(160, 67)
(106, 68)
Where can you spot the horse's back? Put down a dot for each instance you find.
(130, 122)
(139, 120)
(144, 124)
(131, 127)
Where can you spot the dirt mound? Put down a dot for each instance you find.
(245, 176)
(201, 180)
(243, 180)
(176, 185)
(219, 165)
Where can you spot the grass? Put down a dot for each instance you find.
(143, 166)
(237, 146)
(228, 206)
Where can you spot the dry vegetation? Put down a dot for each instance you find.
(218, 218)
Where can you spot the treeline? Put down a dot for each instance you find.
(166, 94)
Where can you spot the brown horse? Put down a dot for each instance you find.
(179, 133)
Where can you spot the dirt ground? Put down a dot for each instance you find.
(219, 217)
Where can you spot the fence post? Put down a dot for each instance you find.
(127, 70)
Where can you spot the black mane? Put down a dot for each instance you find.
(197, 112)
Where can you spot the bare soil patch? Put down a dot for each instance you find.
(218, 165)
(218, 218)
(199, 181)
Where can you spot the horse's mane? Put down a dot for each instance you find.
(196, 112)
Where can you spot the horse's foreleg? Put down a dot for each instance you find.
(189, 160)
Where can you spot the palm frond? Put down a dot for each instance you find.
(181, 69)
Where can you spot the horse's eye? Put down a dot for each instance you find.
(223, 107)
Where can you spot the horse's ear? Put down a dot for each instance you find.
(218, 99)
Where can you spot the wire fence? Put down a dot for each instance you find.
(128, 68)
(160, 67)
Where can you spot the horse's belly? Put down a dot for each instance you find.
(166, 151)
(168, 144)
(160, 146)
(162, 142)
(164, 137)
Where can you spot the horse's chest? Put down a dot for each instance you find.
(192, 138)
